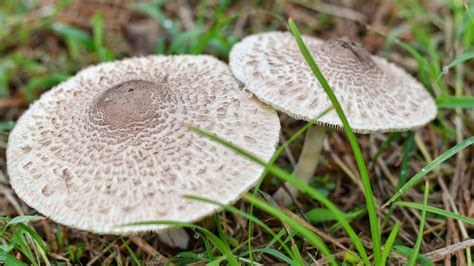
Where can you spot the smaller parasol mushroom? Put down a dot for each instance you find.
(375, 95)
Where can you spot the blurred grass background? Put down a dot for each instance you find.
(44, 42)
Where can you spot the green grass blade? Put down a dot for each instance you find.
(299, 260)
(46, 81)
(19, 240)
(308, 234)
(276, 238)
(37, 238)
(74, 33)
(135, 259)
(290, 236)
(403, 250)
(5, 66)
(221, 233)
(462, 58)
(216, 262)
(155, 11)
(425, 170)
(223, 247)
(423, 66)
(408, 148)
(275, 253)
(24, 219)
(187, 255)
(246, 216)
(275, 156)
(208, 247)
(389, 243)
(10, 260)
(435, 210)
(416, 249)
(369, 197)
(74, 37)
(299, 185)
(392, 37)
(218, 243)
(452, 102)
(321, 215)
(213, 33)
(98, 30)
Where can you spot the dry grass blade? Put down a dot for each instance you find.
(441, 253)
(314, 229)
(158, 258)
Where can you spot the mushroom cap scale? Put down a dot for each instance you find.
(112, 145)
(375, 95)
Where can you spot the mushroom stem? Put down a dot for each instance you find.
(175, 238)
(306, 165)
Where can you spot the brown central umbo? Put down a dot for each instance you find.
(346, 49)
(125, 104)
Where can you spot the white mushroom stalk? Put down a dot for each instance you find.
(375, 95)
(306, 166)
(112, 145)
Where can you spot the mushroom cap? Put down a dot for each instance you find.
(376, 96)
(112, 145)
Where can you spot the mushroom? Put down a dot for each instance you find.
(375, 95)
(112, 145)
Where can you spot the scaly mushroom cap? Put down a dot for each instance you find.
(375, 95)
(112, 146)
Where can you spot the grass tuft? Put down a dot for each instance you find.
(425, 170)
(416, 249)
(294, 181)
